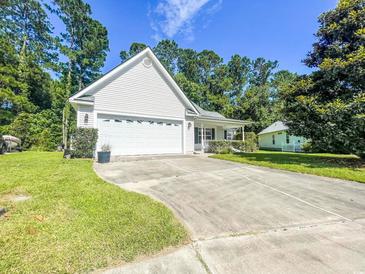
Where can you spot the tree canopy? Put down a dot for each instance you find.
(328, 106)
(32, 104)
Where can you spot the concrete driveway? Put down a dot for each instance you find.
(245, 219)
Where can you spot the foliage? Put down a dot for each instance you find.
(219, 147)
(84, 142)
(134, 49)
(75, 217)
(224, 146)
(37, 131)
(307, 147)
(26, 26)
(250, 142)
(106, 148)
(85, 44)
(238, 145)
(328, 106)
(347, 167)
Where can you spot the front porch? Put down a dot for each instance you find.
(206, 130)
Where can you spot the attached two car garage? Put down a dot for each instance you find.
(137, 135)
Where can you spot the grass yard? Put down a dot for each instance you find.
(345, 167)
(74, 222)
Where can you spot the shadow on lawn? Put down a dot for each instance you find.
(308, 160)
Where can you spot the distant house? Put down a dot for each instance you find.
(276, 137)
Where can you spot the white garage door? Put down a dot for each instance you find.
(136, 136)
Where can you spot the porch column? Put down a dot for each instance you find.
(243, 133)
(202, 137)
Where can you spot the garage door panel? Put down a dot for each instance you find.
(133, 136)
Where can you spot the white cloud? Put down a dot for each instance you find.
(172, 17)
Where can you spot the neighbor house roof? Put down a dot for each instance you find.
(277, 126)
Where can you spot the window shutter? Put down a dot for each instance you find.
(213, 133)
(225, 135)
(196, 137)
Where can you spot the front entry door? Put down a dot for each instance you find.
(209, 134)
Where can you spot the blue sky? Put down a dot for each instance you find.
(274, 29)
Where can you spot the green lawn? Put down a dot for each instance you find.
(74, 222)
(346, 167)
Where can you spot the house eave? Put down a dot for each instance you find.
(80, 102)
(271, 132)
(223, 121)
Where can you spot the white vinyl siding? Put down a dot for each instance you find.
(220, 133)
(189, 135)
(266, 140)
(141, 91)
(82, 111)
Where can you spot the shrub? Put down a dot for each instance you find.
(307, 147)
(250, 142)
(219, 147)
(38, 131)
(239, 145)
(84, 142)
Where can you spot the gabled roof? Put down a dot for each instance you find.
(208, 114)
(88, 91)
(212, 116)
(277, 126)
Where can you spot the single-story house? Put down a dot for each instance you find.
(139, 109)
(276, 137)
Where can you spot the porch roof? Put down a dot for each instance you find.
(225, 122)
(212, 117)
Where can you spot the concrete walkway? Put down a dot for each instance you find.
(245, 219)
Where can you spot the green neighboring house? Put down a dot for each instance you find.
(276, 137)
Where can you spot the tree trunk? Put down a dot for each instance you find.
(66, 109)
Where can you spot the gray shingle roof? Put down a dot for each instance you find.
(277, 126)
(208, 114)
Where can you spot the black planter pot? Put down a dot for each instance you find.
(103, 157)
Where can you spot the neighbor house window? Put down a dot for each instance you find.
(86, 119)
(273, 139)
(287, 138)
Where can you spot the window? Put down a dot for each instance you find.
(273, 139)
(86, 119)
(117, 121)
(287, 138)
(209, 134)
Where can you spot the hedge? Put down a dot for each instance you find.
(223, 146)
(84, 143)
